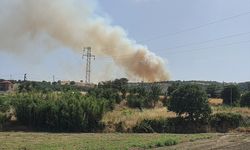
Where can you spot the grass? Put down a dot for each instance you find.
(215, 101)
(128, 117)
(244, 111)
(85, 141)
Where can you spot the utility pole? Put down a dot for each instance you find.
(231, 98)
(87, 53)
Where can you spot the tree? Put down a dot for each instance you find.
(245, 100)
(154, 93)
(172, 88)
(122, 86)
(190, 100)
(230, 95)
(213, 90)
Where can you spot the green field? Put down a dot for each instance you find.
(59, 141)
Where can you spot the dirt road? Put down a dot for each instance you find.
(230, 141)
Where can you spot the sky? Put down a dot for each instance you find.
(215, 52)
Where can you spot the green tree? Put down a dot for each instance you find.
(245, 100)
(213, 90)
(230, 95)
(172, 88)
(190, 100)
(154, 93)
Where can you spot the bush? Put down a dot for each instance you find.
(171, 125)
(135, 101)
(144, 97)
(112, 95)
(245, 100)
(230, 95)
(223, 122)
(60, 112)
(191, 100)
(3, 119)
(4, 103)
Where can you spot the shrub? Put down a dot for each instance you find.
(4, 103)
(171, 125)
(143, 97)
(60, 112)
(230, 95)
(245, 100)
(112, 95)
(223, 122)
(135, 101)
(3, 119)
(153, 96)
(191, 100)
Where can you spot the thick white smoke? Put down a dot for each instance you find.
(73, 24)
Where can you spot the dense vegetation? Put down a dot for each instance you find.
(230, 95)
(65, 108)
(190, 100)
(245, 100)
(68, 111)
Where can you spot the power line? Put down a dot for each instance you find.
(185, 51)
(189, 44)
(195, 27)
(205, 48)
(211, 40)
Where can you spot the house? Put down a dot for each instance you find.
(6, 86)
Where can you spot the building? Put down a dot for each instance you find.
(6, 86)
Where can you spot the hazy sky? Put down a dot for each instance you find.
(219, 51)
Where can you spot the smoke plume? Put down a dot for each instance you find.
(74, 24)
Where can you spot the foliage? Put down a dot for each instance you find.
(190, 100)
(154, 93)
(46, 87)
(4, 103)
(174, 86)
(3, 119)
(135, 101)
(244, 86)
(245, 100)
(114, 91)
(4, 107)
(120, 85)
(143, 96)
(112, 95)
(59, 112)
(213, 90)
(222, 122)
(171, 125)
(230, 95)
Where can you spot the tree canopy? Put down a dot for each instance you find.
(230, 94)
(190, 101)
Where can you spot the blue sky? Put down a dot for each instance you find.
(146, 20)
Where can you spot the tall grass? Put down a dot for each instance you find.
(244, 111)
(127, 118)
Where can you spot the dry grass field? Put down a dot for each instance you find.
(215, 101)
(129, 117)
(244, 111)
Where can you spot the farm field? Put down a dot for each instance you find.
(58, 141)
